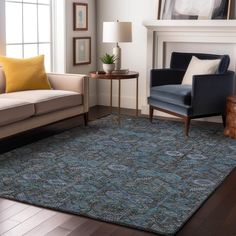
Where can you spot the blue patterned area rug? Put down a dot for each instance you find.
(141, 175)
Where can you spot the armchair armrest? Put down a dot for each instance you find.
(71, 82)
(166, 76)
(209, 92)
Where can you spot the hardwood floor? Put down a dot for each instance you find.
(217, 217)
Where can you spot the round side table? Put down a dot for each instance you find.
(115, 76)
(230, 129)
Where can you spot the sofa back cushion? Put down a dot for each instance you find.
(181, 60)
(2, 81)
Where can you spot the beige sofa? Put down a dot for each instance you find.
(26, 110)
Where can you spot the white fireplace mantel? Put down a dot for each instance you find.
(191, 25)
(187, 31)
(160, 32)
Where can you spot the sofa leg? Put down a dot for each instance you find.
(86, 118)
(151, 113)
(224, 120)
(187, 125)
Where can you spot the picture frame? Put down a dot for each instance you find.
(194, 10)
(158, 7)
(81, 50)
(80, 16)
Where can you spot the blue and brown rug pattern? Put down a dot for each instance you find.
(142, 175)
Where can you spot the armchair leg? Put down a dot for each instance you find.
(86, 118)
(187, 125)
(224, 120)
(151, 113)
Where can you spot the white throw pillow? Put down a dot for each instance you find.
(200, 67)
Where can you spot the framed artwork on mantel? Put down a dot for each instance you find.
(81, 50)
(194, 9)
(80, 16)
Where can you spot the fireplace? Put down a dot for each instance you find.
(207, 36)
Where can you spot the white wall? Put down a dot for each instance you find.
(133, 54)
(70, 33)
(59, 36)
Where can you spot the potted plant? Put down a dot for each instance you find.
(108, 62)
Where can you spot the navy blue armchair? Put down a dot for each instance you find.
(205, 97)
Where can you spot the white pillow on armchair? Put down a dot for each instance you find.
(200, 67)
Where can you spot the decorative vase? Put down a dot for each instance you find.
(108, 68)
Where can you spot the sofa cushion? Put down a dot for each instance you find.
(13, 110)
(24, 74)
(173, 94)
(46, 101)
(200, 67)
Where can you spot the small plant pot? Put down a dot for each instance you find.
(108, 68)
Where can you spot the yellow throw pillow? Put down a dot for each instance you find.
(24, 74)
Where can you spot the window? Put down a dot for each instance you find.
(28, 29)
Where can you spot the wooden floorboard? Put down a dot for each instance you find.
(49, 225)
(31, 223)
(73, 223)
(220, 208)
(4, 204)
(217, 216)
(12, 210)
(58, 232)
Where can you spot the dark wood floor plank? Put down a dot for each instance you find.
(74, 223)
(48, 225)
(86, 229)
(105, 229)
(209, 218)
(58, 232)
(123, 231)
(31, 223)
(229, 226)
(142, 233)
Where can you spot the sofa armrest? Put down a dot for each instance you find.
(71, 82)
(166, 76)
(209, 92)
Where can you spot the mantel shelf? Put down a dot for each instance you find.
(191, 25)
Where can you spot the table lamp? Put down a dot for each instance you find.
(117, 32)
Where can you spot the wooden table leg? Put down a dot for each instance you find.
(119, 101)
(111, 98)
(137, 96)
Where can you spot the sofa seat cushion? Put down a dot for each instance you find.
(13, 110)
(46, 101)
(173, 94)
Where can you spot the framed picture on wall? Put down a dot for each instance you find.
(192, 9)
(80, 16)
(82, 50)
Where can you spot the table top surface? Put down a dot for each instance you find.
(115, 76)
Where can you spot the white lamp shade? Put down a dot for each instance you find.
(115, 32)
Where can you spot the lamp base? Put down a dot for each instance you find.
(117, 53)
